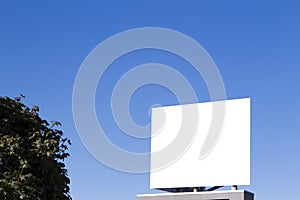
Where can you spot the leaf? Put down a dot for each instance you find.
(31, 154)
(35, 109)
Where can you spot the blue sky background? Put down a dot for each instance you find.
(255, 44)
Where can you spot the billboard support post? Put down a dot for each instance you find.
(234, 187)
(205, 195)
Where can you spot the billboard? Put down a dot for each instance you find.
(203, 144)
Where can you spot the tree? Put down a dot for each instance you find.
(32, 152)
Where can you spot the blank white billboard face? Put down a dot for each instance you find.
(227, 158)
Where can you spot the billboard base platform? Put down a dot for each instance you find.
(206, 195)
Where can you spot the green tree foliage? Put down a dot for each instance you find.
(32, 152)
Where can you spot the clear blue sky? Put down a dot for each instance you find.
(255, 44)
